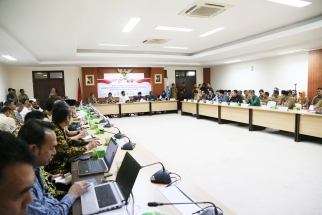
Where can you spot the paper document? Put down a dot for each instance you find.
(88, 137)
(174, 195)
(120, 142)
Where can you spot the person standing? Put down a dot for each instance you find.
(182, 92)
(53, 93)
(23, 95)
(173, 92)
(10, 95)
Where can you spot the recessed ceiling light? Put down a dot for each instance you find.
(233, 61)
(288, 52)
(174, 47)
(295, 3)
(130, 25)
(167, 28)
(211, 32)
(120, 45)
(9, 57)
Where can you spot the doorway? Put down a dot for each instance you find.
(43, 81)
(187, 76)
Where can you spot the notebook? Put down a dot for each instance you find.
(95, 166)
(112, 195)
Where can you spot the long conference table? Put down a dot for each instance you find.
(144, 191)
(302, 123)
(137, 107)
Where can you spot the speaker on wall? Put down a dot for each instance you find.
(165, 74)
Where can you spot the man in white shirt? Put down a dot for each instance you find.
(123, 98)
(27, 107)
(6, 123)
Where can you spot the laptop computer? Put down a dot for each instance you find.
(112, 195)
(95, 166)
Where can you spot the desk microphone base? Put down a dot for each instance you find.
(161, 177)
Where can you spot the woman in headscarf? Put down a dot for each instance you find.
(163, 96)
(303, 100)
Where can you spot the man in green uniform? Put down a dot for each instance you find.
(318, 97)
(286, 100)
(12, 107)
(261, 94)
(253, 100)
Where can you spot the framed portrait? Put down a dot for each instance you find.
(89, 80)
(158, 79)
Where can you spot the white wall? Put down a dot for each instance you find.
(4, 82)
(172, 75)
(21, 78)
(282, 72)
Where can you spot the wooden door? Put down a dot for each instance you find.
(43, 81)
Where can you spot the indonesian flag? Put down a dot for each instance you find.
(79, 97)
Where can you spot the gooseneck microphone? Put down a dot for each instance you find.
(129, 145)
(160, 177)
(205, 212)
(119, 135)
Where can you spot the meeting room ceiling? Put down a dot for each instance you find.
(68, 33)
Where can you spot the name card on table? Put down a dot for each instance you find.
(266, 107)
(208, 102)
(224, 103)
(282, 108)
(298, 105)
(172, 99)
(311, 108)
(271, 104)
(195, 101)
(244, 105)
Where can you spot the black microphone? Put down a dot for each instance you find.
(160, 177)
(205, 212)
(119, 135)
(129, 145)
(103, 120)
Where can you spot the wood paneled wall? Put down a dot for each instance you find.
(206, 75)
(157, 88)
(98, 73)
(315, 72)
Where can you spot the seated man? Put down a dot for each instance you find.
(16, 175)
(36, 106)
(123, 98)
(41, 138)
(261, 94)
(225, 97)
(12, 107)
(318, 97)
(266, 98)
(49, 107)
(110, 99)
(27, 107)
(318, 106)
(286, 100)
(275, 97)
(253, 100)
(220, 95)
(138, 97)
(150, 97)
(91, 98)
(246, 95)
(195, 95)
(23, 95)
(211, 95)
(294, 94)
(203, 95)
(163, 95)
(19, 108)
(235, 97)
(66, 148)
(6, 122)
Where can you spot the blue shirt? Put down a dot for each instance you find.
(18, 116)
(44, 203)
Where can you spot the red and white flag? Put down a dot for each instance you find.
(79, 97)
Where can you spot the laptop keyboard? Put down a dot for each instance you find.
(96, 166)
(105, 196)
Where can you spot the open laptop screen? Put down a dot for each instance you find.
(110, 153)
(127, 175)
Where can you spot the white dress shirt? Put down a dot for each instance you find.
(123, 99)
(6, 123)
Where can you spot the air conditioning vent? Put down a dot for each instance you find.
(204, 9)
(155, 41)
